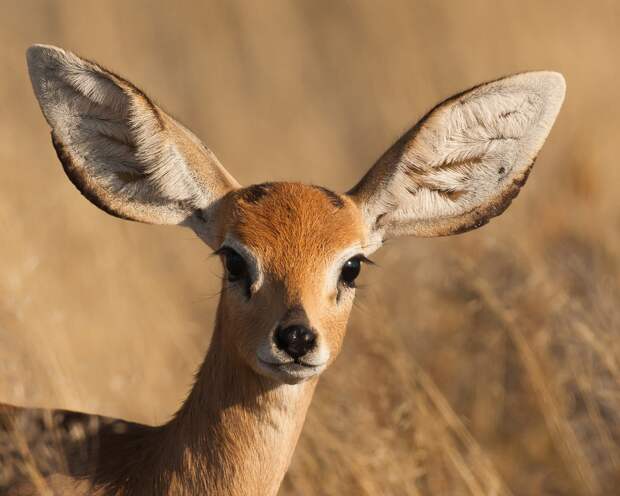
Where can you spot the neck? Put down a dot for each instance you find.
(236, 432)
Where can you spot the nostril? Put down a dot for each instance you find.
(295, 340)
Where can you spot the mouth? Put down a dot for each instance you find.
(292, 371)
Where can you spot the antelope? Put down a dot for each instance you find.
(291, 254)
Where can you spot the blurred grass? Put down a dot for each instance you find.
(482, 364)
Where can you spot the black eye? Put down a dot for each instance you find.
(350, 271)
(236, 268)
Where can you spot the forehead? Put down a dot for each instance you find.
(295, 222)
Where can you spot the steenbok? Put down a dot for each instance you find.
(291, 254)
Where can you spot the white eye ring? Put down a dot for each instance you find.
(333, 278)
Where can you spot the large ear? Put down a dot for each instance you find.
(120, 150)
(464, 162)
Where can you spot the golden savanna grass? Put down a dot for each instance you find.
(483, 364)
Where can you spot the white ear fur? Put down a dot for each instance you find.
(464, 162)
(122, 151)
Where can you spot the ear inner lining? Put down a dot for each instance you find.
(121, 151)
(463, 162)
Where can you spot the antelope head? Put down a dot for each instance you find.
(292, 252)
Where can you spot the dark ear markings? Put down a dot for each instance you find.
(78, 181)
(496, 208)
(455, 164)
(503, 137)
(450, 195)
(253, 194)
(520, 181)
(471, 226)
(507, 113)
(333, 198)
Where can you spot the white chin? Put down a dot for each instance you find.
(289, 373)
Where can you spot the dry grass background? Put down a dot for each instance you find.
(485, 364)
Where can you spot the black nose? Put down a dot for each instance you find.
(296, 340)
